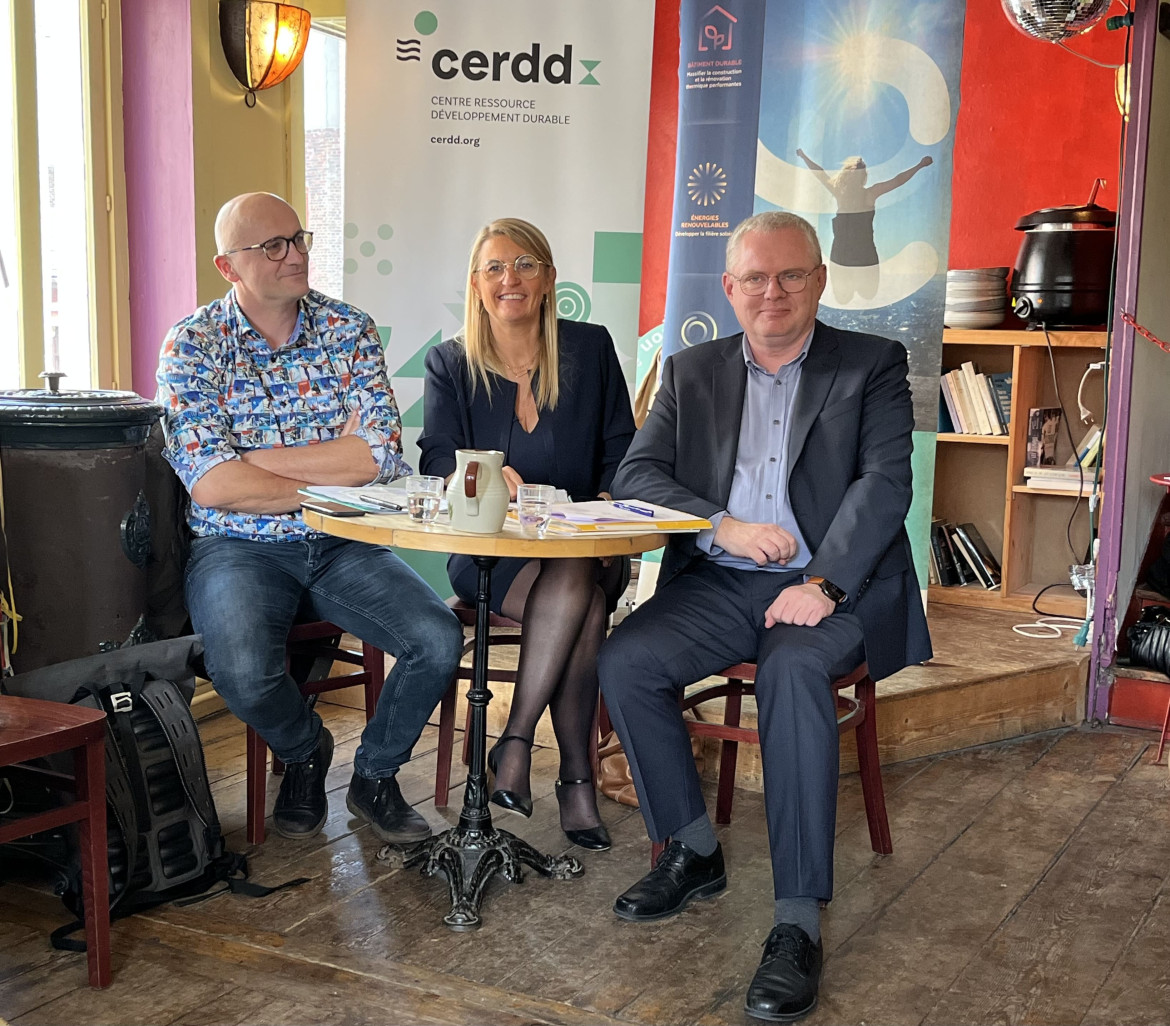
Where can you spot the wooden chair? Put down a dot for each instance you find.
(856, 712)
(309, 642)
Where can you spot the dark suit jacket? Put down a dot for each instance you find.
(850, 484)
(591, 426)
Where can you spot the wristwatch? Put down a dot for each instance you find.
(830, 590)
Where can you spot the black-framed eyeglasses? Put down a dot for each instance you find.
(756, 283)
(276, 248)
(526, 266)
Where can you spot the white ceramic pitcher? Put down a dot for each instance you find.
(477, 496)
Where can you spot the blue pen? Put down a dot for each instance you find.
(634, 509)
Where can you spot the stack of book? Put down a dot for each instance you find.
(973, 403)
(959, 556)
(1077, 475)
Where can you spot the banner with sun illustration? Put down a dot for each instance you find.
(459, 113)
(841, 111)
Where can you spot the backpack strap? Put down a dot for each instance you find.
(165, 700)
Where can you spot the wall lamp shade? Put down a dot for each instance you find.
(262, 41)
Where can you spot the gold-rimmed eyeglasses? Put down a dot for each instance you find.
(526, 266)
(755, 283)
(276, 248)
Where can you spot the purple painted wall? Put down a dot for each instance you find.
(160, 174)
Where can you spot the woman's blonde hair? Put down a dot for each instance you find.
(848, 174)
(482, 358)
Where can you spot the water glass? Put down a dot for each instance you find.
(423, 495)
(534, 508)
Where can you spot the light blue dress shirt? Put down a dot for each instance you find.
(759, 486)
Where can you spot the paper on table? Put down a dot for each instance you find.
(375, 496)
(599, 515)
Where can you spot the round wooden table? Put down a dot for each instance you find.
(470, 853)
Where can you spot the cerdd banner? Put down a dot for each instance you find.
(461, 113)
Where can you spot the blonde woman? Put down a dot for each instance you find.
(854, 255)
(550, 395)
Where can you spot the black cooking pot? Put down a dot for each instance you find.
(1064, 266)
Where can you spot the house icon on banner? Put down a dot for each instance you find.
(718, 30)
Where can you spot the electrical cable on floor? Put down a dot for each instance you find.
(1053, 624)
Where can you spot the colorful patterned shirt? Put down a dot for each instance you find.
(224, 391)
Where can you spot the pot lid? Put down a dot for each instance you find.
(75, 406)
(1086, 213)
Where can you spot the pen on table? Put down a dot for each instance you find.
(373, 500)
(642, 511)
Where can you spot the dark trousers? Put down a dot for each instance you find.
(701, 621)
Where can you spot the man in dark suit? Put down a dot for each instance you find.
(794, 440)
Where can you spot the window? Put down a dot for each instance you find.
(58, 309)
(324, 92)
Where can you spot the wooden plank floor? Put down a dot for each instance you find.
(1030, 883)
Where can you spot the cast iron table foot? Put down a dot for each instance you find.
(469, 858)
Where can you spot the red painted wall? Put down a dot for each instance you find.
(1036, 125)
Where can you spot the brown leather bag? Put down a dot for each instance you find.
(615, 780)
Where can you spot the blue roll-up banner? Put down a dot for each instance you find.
(842, 112)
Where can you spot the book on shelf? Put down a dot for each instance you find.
(946, 422)
(932, 567)
(1072, 473)
(1088, 449)
(1001, 387)
(1043, 425)
(1072, 485)
(987, 563)
(989, 404)
(966, 557)
(967, 422)
(972, 387)
(941, 552)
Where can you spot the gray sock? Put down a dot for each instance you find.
(802, 912)
(698, 835)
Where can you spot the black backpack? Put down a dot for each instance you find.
(163, 832)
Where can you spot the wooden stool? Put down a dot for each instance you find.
(31, 728)
(317, 639)
(856, 712)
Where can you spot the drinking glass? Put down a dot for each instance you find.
(534, 508)
(423, 495)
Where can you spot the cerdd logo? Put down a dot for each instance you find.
(717, 30)
(525, 65)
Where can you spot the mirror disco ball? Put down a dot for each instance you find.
(1055, 20)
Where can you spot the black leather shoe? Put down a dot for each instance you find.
(594, 838)
(390, 816)
(785, 986)
(509, 800)
(301, 807)
(679, 875)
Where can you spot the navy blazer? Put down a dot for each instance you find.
(591, 426)
(850, 485)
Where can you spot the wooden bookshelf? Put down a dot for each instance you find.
(980, 478)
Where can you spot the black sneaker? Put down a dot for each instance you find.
(302, 807)
(380, 803)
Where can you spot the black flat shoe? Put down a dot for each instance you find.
(520, 804)
(594, 838)
(785, 985)
(680, 875)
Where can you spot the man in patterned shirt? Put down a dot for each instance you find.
(272, 388)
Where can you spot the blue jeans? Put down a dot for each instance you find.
(243, 596)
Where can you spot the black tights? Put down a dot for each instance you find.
(563, 606)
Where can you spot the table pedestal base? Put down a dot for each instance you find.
(469, 858)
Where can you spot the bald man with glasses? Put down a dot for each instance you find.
(272, 388)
